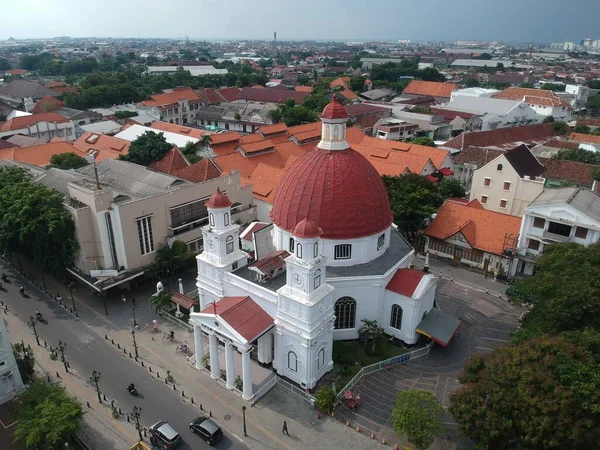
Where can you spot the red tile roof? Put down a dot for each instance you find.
(172, 162)
(258, 146)
(252, 228)
(435, 89)
(570, 171)
(271, 262)
(582, 137)
(533, 96)
(264, 180)
(340, 82)
(47, 104)
(39, 155)
(243, 314)
(484, 229)
(18, 123)
(277, 128)
(171, 98)
(102, 146)
(214, 96)
(405, 281)
(179, 129)
(303, 89)
(501, 136)
(183, 301)
(199, 172)
(222, 138)
(357, 109)
(271, 95)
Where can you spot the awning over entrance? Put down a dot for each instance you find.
(183, 301)
(439, 326)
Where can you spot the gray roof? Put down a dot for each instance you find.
(25, 141)
(19, 89)
(582, 200)
(104, 127)
(77, 114)
(58, 179)
(482, 105)
(490, 63)
(132, 179)
(378, 93)
(210, 112)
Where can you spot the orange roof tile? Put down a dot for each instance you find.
(179, 129)
(258, 146)
(47, 104)
(199, 172)
(255, 137)
(341, 81)
(303, 88)
(237, 161)
(172, 97)
(101, 146)
(264, 180)
(18, 123)
(581, 137)
(348, 94)
(222, 138)
(433, 88)
(539, 97)
(484, 229)
(171, 162)
(277, 128)
(39, 155)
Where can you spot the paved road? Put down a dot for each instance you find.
(87, 351)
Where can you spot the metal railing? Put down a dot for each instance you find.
(296, 390)
(401, 359)
(175, 321)
(264, 389)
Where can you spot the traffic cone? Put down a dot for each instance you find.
(347, 423)
(383, 442)
(358, 428)
(372, 435)
(396, 447)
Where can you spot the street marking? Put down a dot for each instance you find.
(485, 348)
(78, 348)
(498, 329)
(6, 427)
(492, 339)
(237, 437)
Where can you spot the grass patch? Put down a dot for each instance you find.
(350, 357)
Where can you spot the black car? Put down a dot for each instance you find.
(207, 430)
(164, 435)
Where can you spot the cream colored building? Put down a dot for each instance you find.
(508, 183)
(125, 218)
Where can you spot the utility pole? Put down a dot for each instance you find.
(71, 289)
(133, 308)
(244, 417)
(32, 322)
(95, 378)
(136, 413)
(135, 347)
(61, 350)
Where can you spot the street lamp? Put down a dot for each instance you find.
(71, 286)
(43, 280)
(32, 322)
(61, 350)
(103, 295)
(133, 308)
(244, 417)
(136, 413)
(95, 378)
(134, 344)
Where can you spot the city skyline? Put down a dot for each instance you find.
(511, 21)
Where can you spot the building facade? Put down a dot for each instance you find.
(10, 378)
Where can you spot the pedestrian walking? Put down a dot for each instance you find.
(285, 430)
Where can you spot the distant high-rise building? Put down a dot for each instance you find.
(274, 36)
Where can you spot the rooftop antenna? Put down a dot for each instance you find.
(96, 174)
(275, 37)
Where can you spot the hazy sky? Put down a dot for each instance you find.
(507, 20)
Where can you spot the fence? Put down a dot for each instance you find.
(175, 321)
(401, 359)
(296, 390)
(264, 389)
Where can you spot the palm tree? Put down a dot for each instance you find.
(160, 301)
(169, 260)
(371, 332)
(205, 140)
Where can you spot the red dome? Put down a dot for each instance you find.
(338, 189)
(334, 110)
(218, 200)
(307, 229)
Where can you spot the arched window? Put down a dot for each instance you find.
(317, 279)
(299, 250)
(321, 359)
(380, 241)
(396, 317)
(226, 219)
(212, 220)
(316, 250)
(345, 313)
(499, 167)
(292, 362)
(291, 246)
(229, 244)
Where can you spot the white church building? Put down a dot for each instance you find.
(330, 258)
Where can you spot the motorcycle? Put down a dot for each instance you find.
(39, 317)
(132, 390)
(22, 292)
(4, 278)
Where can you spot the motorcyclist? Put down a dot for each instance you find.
(22, 290)
(131, 387)
(38, 315)
(4, 277)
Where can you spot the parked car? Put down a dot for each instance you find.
(207, 430)
(164, 435)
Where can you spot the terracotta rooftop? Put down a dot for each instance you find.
(179, 129)
(271, 95)
(435, 89)
(172, 162)
(271, 262)
(199, 172)
(483, 229)
(39, 155)
(582, 137)
(264, 180)
(278, 128)
(18, 123)
(525, 134)
(102, 146)
(171, 98)
(571, 171)
(258, 146)
(340, 82)
(222, 138)
(533, 96)
(405, 282)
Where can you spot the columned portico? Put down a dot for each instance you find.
(215, 370)
(246, 376)
(229, 365)
(199, 345)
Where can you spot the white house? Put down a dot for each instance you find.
(42, 126)
(330, 258)
(473, 92)
(556, 215)
(544, 103)
(10, 378)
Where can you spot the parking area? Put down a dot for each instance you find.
(486, 323)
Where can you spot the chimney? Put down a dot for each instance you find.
(596, 187)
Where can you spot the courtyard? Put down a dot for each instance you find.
(486, 323)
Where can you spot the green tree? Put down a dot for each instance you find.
(25, 362)
(582, 129)
(451, 188)
(125, 114)
(325, 399)
(579, 155)
(548, 119)
(563, 294)
(169, 260)
(34, 221)
(47, 416)
(418, 415)
(357, 83)
(303, 80)
(559, 127)
(472, 82)
(189, 151)
(593, 84)
(371, 332)
(539, 394)
(205, 141)
(553, 87)
(160, 301)
(526, 85)
(4, 64)
(593, 104)
(67, 161)
(423, 141)
(147, 148)
(413, 199)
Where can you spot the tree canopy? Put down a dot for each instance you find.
(25, 361)
(67, 161)
(427, 141)
(539, 394)
(559, 127)
(34, 221)
(579, 155)
(451, 188)
(418, 415)
(47, 416)
(147, 148)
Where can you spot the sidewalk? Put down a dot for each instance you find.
(100, 430)
(263, 421)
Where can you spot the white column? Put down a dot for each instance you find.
(199, 346)
(246, 376)
(229, 365)
(215, 370)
